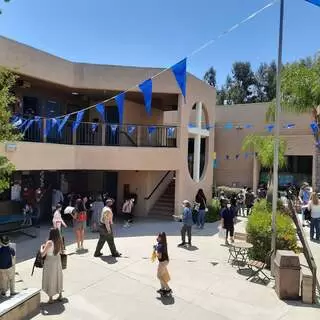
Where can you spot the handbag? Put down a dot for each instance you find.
(38, 262)
(64, 260)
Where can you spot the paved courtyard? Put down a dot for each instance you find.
(204, 285)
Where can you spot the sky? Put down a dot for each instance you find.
(159, 33)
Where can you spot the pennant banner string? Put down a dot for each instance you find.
(207, 44)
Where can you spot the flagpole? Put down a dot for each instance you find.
(277, 139)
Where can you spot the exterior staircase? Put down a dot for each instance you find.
(164, 206)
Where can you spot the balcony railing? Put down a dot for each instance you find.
(124, 135)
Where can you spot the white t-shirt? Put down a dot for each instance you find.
(104, 213)
(315, 210)
(16, 192)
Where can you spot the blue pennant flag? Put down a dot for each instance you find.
(191, 125)
(114, 128)
(62, 123)
(210, 126)
(170, 132)
(146, 89)
(315, 2)
(55, 122)
(270, 127)
(120, 103)
(215, 164)
(21, 126)
(151, 130)
(28, 125)
(48, 127)
(101, 109)
(94, 126)
(246, 155)
(289, 126)
(237, 156)
(17, 122)
(38, 120)
(78, 120)
(180, 72)
(131, 130)
(228, 126)
(314, 127)
(248, 126)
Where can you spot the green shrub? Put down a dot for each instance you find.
(259, 231)
(213, 211)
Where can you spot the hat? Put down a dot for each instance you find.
(186, 202)
(4, 240)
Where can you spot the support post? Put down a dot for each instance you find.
(197, 145)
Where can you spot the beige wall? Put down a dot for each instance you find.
(229, 142)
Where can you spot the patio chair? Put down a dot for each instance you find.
(257, 268)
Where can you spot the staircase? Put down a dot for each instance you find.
(164, 206)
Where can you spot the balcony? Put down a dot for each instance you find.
(97, 134)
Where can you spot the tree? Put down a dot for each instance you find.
(7, 131)
(300, 93)
(263, 146)
(266, 80)
(4, 1)
(241, 86)
(210, 77)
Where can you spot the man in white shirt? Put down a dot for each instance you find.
(105, 230)
(16, 191)
(57, 197)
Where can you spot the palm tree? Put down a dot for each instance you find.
(300, 88)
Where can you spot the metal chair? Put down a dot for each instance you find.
(257, 268)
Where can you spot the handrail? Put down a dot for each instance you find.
(306, 250)
(157, 186)
(129, 138)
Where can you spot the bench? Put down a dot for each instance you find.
(24, 305)
(16, 223)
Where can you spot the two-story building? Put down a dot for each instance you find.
(159, 163)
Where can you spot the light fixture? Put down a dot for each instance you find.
(75, 93)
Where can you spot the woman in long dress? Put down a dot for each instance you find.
(52, 279)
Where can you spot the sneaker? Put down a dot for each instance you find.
(3, 293)
(182, 244)
(117, 255)
(160, 291)
(97, 255)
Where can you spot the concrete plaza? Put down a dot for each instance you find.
(204, 285)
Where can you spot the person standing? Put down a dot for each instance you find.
(249, 200)
(106, 231)
(52, 278)
(202, 200)
(304, 197)
(7, 274)
(240, 202)
(187, 223)
(162, 254)
(79, 223)
(97, 207)
(57, 220)
(227, 221)
(57, 197)
(314, 207)
(127, 211)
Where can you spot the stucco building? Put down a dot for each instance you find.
(153, 166)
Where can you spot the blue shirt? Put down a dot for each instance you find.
(187, 217)
(6, 254)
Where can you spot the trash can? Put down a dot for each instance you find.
(287, 274)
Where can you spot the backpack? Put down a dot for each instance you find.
(38, 262)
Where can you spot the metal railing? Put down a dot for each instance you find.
(100, 134)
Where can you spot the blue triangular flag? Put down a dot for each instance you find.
(120, 103)
(146, 89)
(94, 126)
(78, 120)
(314, 127)
(228, 125)
(315, 2)
(210, 126)
(246, 155)
(237, 156)
(17, 122)
(131, 129)
(180, 72)
(101, 109)
(270, 127)
(48, 127)
(24, 122)
(289, 126)
(151, 129)
(62, 123)
(114, 128)
(248, 126)
(170, 132)
(38, 120)
(191, 125)
(28, 125)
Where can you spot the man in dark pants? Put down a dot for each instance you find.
(187, 223)
(105, 230)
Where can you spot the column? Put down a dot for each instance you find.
(256, 173)
(197, 144)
